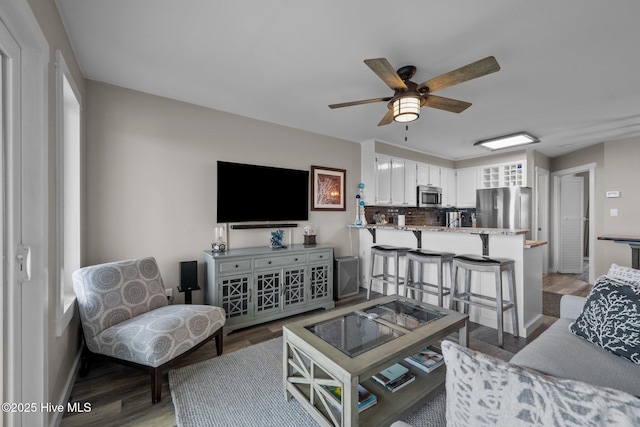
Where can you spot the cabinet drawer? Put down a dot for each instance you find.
(239, 265)
(320, 256)
(281, 261)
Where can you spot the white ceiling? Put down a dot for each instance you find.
(569, 69)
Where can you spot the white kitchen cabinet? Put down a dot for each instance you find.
(466, 186)
(397, 181)
(410, 183)
(422, 174)
(428, 175)
(383, 180)
(435, 177)
(448, 184)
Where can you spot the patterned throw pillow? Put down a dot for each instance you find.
(624, 274)
(611, 318)
(483, 391)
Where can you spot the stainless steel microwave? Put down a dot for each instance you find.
(429, 197)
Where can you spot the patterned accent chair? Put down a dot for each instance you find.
(126, 318)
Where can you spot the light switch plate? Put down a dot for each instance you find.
(613, 212)
(613, 194)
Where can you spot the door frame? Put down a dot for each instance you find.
(28, 332)
(555, 207)
(541, 213)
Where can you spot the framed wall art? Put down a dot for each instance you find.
(327, 189)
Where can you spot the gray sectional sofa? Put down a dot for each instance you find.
(584, 370)
(560, 353)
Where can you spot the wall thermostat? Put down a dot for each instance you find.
(611, 194)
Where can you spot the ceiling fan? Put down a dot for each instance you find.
(408, 97)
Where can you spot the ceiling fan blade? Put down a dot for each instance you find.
(446, 104)
(364, 101)
(388, 118)
(474, 70)
(386, 72)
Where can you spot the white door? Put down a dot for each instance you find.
(571, 224)
(11, 221)
(24, 136)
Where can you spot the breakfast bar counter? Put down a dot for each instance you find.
(492, 242)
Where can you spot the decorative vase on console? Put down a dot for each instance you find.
(219, 241)
(276, 239)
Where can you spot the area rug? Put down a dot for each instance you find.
(244, 388)
(551, 304)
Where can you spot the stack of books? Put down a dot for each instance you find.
(366, 399)
(394, 377)
(427, 359)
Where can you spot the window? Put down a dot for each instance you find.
(68, 192)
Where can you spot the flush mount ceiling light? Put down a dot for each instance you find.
(406, 109)
(508, 141)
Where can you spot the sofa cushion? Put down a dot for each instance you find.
(624, 274)
(485, 391)
(610, 318)
(159, 335)
(562, 354)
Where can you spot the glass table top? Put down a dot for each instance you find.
(358, 332)
(354, 333)
(402, 313)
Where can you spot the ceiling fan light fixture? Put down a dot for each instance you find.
(508, 141)
(406, 109)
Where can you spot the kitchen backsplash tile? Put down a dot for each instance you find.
(417, 216)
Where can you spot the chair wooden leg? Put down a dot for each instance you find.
(85, 362)
(219, 338)
(156, 384)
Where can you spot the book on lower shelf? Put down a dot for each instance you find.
(400, 382)
(426, 359)
(366, 399)
(391, 373)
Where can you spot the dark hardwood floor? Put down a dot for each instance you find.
(121, 396)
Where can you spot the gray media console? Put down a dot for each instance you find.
(261, 284)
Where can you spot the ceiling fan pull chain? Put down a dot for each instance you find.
(406, 130)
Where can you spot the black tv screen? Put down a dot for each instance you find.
(261, 193)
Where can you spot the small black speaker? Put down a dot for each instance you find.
(188, 275)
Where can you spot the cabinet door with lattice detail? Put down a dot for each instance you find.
(294, 286)
(268, 291)
(235, 296)
(320, 282)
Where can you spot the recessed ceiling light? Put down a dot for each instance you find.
(508, 141)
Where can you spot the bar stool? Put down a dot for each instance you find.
(421, 258)
(498, 304)
(386, 252)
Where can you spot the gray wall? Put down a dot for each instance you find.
(151, 178)
(617, 170)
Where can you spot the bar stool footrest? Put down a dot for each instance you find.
(465, 298)
(420, 287)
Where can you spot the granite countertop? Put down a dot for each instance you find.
(440, 228)
(534, 243)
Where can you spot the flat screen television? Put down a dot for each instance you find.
(261, 193)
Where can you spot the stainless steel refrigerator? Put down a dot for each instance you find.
(504, 207)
